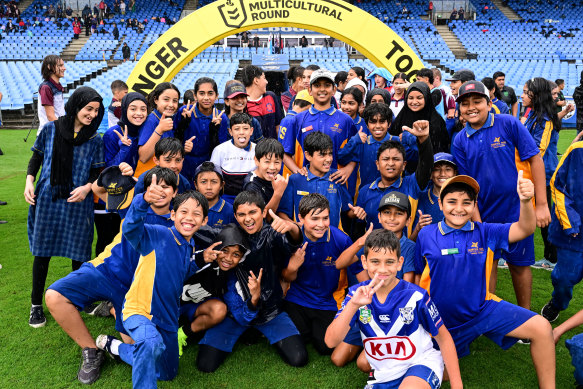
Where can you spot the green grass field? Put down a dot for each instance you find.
(47, 358)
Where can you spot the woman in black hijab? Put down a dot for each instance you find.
(60, 217)
(378, 95)
(419, 106)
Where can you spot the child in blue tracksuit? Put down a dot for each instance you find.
(151, 306)
(543, 124)
(565, 230)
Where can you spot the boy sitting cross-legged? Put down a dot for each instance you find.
(397, 321)
(455, 258)
(254, 294)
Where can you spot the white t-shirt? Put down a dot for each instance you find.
(235, 163)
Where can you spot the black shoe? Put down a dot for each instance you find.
(90, 309)
(549, 312)
(90, 369)
(3, 203)
(103, 309)
(3, 222)
(37, 317)
(103, 342)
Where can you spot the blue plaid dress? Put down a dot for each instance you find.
(59, 228)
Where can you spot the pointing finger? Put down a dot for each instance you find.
(304, 246)
(272, 214)
(260, 275)
(191, 139)
(120, 136)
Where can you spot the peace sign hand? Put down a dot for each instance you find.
(124, 138)
(363, 295)
(188, 145)
(254, 285)
(210, 254)
(217, 118)
(188, 110)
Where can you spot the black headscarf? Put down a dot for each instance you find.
(133, 130)
(65, 140)
(378, 91)
(437, 130)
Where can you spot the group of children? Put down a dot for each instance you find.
(324, 226)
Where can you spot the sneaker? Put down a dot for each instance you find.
(524, 341)
(181, 341)
(103, 309)
(502, 264)
(549, 312)
(103, 342)
(90, 308)
(37, 317)
(90, 365)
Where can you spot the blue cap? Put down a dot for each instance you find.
(444, 157)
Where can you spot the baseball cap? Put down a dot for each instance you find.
(396, 199)
(305, 95)
(234, 89)
(206, 164)
(120, 188)
(321, 73)
(444, 157)
(464, 180)
(473, 87)
(462, 75)
(231, 235)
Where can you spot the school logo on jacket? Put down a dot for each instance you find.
(233, 13)
(406, 314)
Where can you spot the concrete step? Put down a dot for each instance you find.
(452, 41)
(507, 11)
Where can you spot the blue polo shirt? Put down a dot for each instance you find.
(319, 285)
(365, 154)
(199, 127)
(429, 205)
(299, 186)
(150, 125)
(546, 138)
(407, 252)
(370, 196)
(220, 214)
(338, 125)
(116, 152)
(490, 155)
(287, 131)
(455, 267)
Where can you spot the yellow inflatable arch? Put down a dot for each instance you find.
(209, 24)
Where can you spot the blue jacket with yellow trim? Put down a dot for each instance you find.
(567, 192)
(546, 138)
(166, 261)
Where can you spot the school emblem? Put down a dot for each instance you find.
(112, 185)
(233, 13)
(365, 315)
(406, 314)
(497, 143)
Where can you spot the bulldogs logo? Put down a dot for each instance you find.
(406, 314)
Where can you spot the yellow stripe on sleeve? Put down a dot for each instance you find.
(425, 281)
(106, 253)
(557, 195)
(139, 297)
(546, 137)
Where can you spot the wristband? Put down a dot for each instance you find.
(157, 133)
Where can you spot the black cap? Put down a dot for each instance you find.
(473, 88)
(120, 188)
(462, 75)
(396, 199)
(231, 235)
